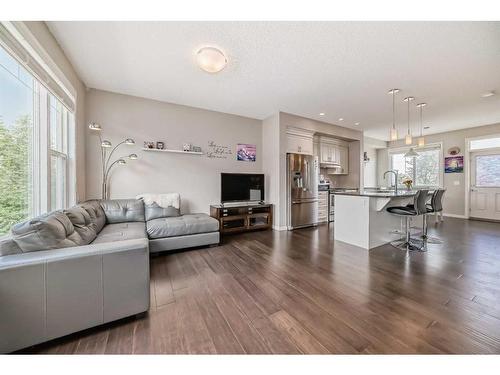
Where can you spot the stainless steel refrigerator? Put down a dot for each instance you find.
(302, 190)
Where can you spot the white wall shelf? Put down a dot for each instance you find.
(172, 151)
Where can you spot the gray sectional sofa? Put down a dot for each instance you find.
(78, 268)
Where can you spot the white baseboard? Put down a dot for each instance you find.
(276, 227)
(455, 216)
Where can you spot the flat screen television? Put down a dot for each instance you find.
(241, 187)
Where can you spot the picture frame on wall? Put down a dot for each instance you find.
(246, 152)
(454, 164)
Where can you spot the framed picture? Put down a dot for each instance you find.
(246, 152)
(160, 145)
(454, 164)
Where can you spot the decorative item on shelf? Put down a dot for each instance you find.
(246, 152)
(106, 163)
(454, 164)
(160, 145)
(454, 150)
(408, 182)
(148, 144)
(366, 159)
(186, 147)
(408, 137)
(196, 149)
(421, 139)
(394, 131)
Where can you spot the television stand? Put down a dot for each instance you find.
(243, 217)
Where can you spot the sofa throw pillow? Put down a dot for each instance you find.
(8, 247)
(83, 223)
(153, 211)
(51, 231)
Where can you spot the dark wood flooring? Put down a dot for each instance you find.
(302, 292)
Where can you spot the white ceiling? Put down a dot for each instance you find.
(341, 68)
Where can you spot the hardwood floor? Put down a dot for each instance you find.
(301, 292)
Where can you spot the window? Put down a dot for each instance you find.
(487, 170)
(424, 170)
(481, 144)
(34, 152)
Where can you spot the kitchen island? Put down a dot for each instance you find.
(361, 218)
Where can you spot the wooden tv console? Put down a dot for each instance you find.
(242, 218)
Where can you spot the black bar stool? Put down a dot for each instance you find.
(435, 207)
(418, 208)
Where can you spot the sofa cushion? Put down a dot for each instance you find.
(181, 225)
(153, 211)
(51, 231)
(8, 247)
(97, 215)
(123, 210)
(121, 231)
(83, 223)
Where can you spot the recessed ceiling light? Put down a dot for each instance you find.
(356, 123)
(211, 59)
(488, 94)
(341, 119)
(322, 113)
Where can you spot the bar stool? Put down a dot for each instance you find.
(418, 208)
(435, 207)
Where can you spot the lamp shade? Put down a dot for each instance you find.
(95, 126)
(121, 161)
(394, 134)
(106, 144)
(133, 157)
(129, 141)
(411, 153)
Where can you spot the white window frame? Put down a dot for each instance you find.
(42, 152)
(405, 149)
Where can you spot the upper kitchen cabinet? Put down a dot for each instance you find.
(334, 155)
(299, 141)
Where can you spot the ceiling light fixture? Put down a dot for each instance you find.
(394, 131)
(341, 119)
(421, 139)
(408, 138)
(322, 113)
(356, 123)
(211, 59)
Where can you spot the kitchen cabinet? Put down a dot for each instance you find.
(299, 141)
(334, 155)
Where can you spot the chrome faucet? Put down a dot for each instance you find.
(395, 181)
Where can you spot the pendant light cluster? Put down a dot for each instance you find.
(408, 136)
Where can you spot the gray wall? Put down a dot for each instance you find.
(196, 178)
(454, 183)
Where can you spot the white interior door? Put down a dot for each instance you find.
(485, 185)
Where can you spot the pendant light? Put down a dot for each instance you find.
(394, 131)
(408, 138)
(421, 139)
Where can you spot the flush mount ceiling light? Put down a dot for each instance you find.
(356, 123)
(211, 59)
(394, 131)
(322, 113)
(341, 119)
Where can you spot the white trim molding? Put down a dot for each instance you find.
(455, 216)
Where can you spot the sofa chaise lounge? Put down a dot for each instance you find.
(73, 269)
